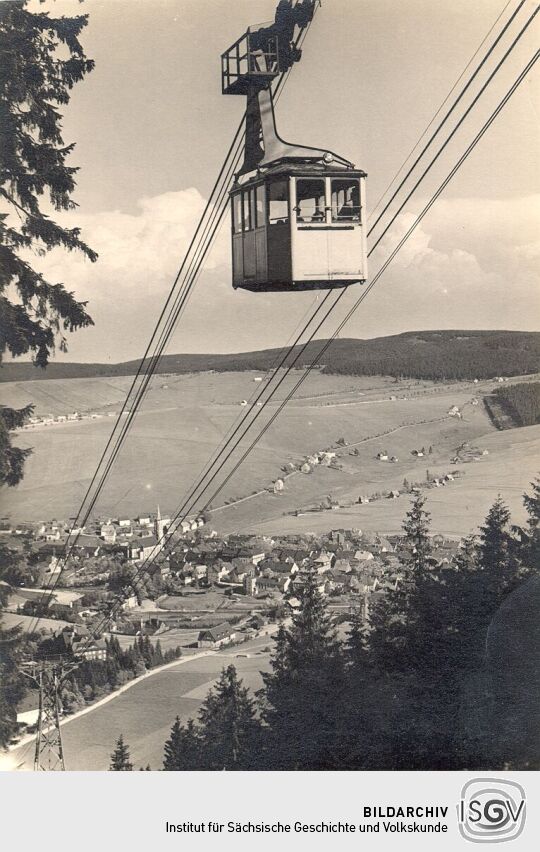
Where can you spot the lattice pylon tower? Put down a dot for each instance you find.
(49, 754)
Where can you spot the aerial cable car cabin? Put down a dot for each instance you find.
(298, 213)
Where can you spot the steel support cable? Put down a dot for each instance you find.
(142, 371)
(418, 143)
(270, 373)
(208, 211)
(202, 248)
(389, 260)
(440, 151)
(257, 412)
(458, 125)
(147, 369)
(146, 375)
(321, 353)
(501, 62)
(386, 264)
(208, 236)
(176, 519)
(449, 112)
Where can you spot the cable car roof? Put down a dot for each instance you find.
(294, 169)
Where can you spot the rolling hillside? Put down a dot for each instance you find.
(438, 355)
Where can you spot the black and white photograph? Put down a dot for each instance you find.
(270, 392)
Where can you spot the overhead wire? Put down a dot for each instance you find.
(320, 354)
(449, 112)
(364, 294)
(147, 367)
(449, 138)
(501, 62)
(435, 158)
(432, 121)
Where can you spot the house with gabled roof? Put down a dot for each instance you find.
(216, 637)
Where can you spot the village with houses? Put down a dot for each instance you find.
(73, 417)
(204, 591)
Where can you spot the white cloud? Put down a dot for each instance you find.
(139, 254)
(472, 263)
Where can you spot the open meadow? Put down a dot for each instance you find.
(184, 419)
(144, 714)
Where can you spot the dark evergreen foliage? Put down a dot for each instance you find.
(521, 402)
(41, 59)
(182, 750)
(227, 735)
(304, 688)
(437, 355)
(120, 761)
(228, 727)
(13, 685)
(428, 683)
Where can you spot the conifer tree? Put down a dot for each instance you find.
(182, 752)
(365, 700)
(229, 730)
(305, 691)
(41, 59)
(499, 557)
(120, 761)
(13, 684)
(356, 639)
(416, 539)
(158, 654)
(495, 540)
(531, 538)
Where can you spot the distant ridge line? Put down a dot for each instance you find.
(437, 354)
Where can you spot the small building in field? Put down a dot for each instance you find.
(216, 637)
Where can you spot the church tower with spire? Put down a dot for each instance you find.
(159, 525)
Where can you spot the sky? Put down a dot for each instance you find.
(151, 130)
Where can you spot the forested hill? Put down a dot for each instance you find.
(416, 354)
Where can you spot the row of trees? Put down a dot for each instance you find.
(93, 679)
(421, 688)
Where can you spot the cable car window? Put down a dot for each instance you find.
(237, 213)
(310, 201)
(278, 202)
(259, 206)
(345, 200)
(247, 196)
(253, 208)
